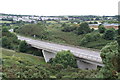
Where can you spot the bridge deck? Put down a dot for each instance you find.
(81, 53)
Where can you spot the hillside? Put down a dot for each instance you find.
(16, 64)
(21, 65)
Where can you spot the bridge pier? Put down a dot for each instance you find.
(48, 55)
(84, 65)
(80, 63)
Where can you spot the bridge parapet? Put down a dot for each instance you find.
(88, 57)
(80, 55)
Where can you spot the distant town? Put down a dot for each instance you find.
(94, 21)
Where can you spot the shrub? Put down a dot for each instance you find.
(90, 37)
(66, 58)
(69, 29)
(23, 46)
(9, 40)
(110, 58)
(6, 43)
(101, 29)
(38, 30)
(83, 29)
(109, 34)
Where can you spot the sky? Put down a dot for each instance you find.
(59, 7)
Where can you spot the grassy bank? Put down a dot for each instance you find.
(7, 54)
(21, 65)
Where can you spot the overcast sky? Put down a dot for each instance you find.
(59, 7)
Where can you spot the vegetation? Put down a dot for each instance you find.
(20, 65)
(93, 40)
(101, 29)
(65, 33)
(9, 40)
(83, 29)
(66, 58)
(118, 55)
(23, 46)
(110, 58)
(89, 38)
(34, 30)
(109, 34)
(68, 28)
(118, 39)
(63, 66)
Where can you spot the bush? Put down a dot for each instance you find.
(92, 29)
(23, 46)
(39, 30)
(69, 29)
(6, 43)
(109, 34)
(110, 58)
(90, 37)
(83, 29)
(9, 40)
(66, 58)
(101, 29)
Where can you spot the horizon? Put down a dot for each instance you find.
(56, 15)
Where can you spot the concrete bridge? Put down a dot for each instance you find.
(86, 59)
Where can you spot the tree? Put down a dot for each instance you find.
(66, 58)
(110, 60)
(83, 29)
(23, 46)
(69, 28)
(6, 43)
(4, 30)
(92, 29)
(101, 29)
(9, 40)
(109, 34)
(90, 38)
(118, 41)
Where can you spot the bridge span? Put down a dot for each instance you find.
(86, 58)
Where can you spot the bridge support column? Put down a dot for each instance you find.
(84, 65)
(48, 55)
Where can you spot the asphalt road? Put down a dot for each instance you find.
(81, 53)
